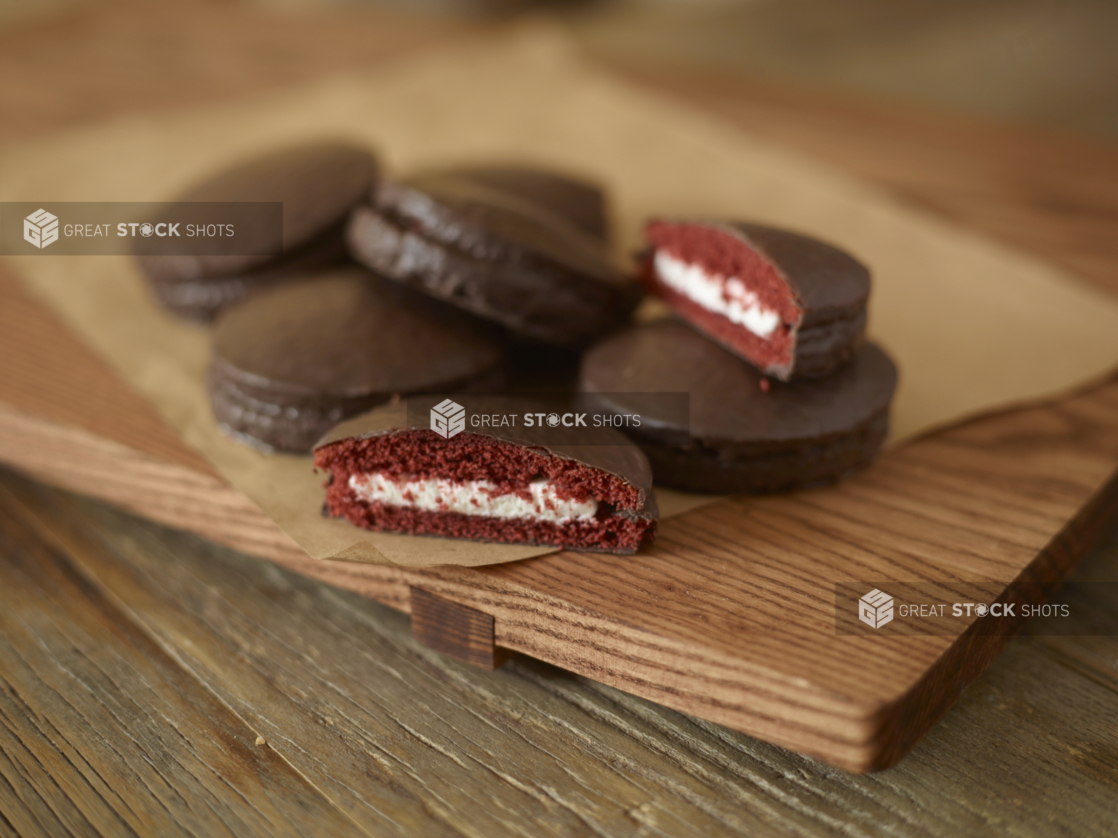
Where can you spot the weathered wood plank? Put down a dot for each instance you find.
(388, 729)
(101, 732)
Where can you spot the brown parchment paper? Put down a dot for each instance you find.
(972, 324)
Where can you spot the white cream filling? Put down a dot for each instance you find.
(726, 296)
(471, 497)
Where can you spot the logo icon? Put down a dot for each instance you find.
(40, 228)
(448, 419)
(875, 609)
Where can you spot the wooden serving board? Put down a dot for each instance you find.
(730, 616)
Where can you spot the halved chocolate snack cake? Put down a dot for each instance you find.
(525, 485)
(791, 305)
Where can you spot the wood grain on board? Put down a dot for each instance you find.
(155, 678)
(729, 616)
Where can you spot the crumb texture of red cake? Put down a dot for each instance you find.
(477, 487)
(715, 280)
(612, 534)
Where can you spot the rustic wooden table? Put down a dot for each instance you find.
(154, 683)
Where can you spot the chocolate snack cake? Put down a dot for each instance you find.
(522, 485)
(532, 366)
(746, 433)
(291, 362)
(495, 254)
(318, 184)
(791, 305)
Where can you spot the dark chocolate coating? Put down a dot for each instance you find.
(831, 288)
(580, 202)
(203, 299)
(743, 439)
(318, 184)
(291, 362)
(494, 254)
(828, 282)
(610, 452)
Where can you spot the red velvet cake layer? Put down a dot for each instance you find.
(611, 533)
(720, 254)
(774, 351)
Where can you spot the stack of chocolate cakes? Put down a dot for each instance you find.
(489, 279)
(768, 343)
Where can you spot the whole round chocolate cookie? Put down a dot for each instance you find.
(318, 184)
(494, 254)
(291, 362)
(793, 306)
(746, 433)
